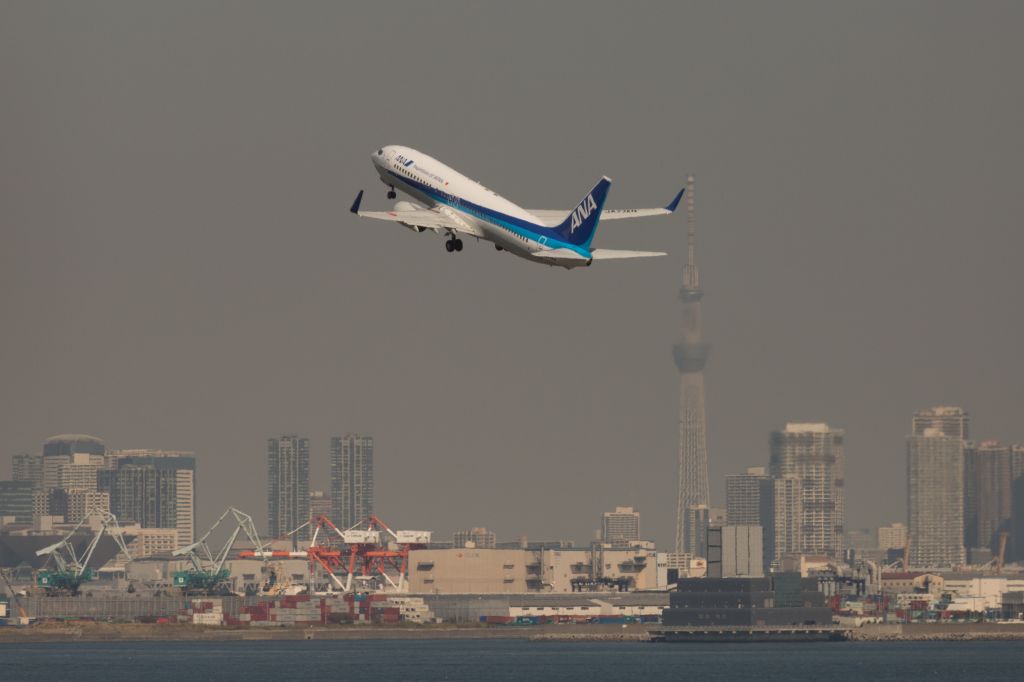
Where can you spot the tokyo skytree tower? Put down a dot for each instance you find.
(691, 354)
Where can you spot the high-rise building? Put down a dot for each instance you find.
(351, 479)
(892, 537)
(935, 498)
(16, 500)
(814, 454)
(743, 497)
(184, 483)
(287, 485)
(988, 472)
(621, 525)
(66, 449)
(782, 514)
(742, 551)
(79, 473)
(28, 467)
(697, 520)
(81, 503)
(155, 492)
(480, 537)
(691, 355)
(951, 422)
(319, 505)
(1016, 550)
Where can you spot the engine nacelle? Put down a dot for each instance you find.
(405, 206)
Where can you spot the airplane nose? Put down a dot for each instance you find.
(378, 156)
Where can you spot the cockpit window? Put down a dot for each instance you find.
(380, 152)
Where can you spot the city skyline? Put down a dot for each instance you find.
(180, 270)
(789, 498)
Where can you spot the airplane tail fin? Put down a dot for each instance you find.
(579, 227)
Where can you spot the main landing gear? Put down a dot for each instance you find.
(453, 244)
(391, 192)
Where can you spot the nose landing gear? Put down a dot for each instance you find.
(391, 192)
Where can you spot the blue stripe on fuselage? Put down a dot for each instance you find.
(523, 228)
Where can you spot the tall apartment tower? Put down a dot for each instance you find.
(623, 524)
(988, 486)
(28, 467)
(697, 521)
(59, 451)
(782, 517)
(935, 498)
(952, 422)
(351, 479)
(1017, 503)
(743, 497)
(287, 485)
(813, 453)
(153, 491)
(691, 355)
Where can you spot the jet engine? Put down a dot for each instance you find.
(403, 206)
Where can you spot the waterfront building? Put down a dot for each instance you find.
(935, 498)
(623, 524)
(288, 485)
(779, 599)
(480, 538)
(813, 453)
(462, 570)
(352, 479)
(743, 497)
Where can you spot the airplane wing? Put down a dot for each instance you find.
(551, 218)
(420, 218)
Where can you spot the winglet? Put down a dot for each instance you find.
(359, 200)
(671, 208)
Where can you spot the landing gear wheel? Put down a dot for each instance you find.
(458, 245)
(392, 194)
(449, 245)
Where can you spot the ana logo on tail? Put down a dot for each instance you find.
(582, 212)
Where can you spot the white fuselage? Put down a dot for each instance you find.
(487, 215)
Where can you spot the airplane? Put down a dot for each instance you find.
(452, 203)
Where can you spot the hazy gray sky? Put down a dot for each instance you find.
(178, 267)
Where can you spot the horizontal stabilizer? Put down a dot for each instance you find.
(609, 254)
(559, 255)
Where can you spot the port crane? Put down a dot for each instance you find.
(23, 618)
(207, 574)
(368, 551)
(71, 570)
